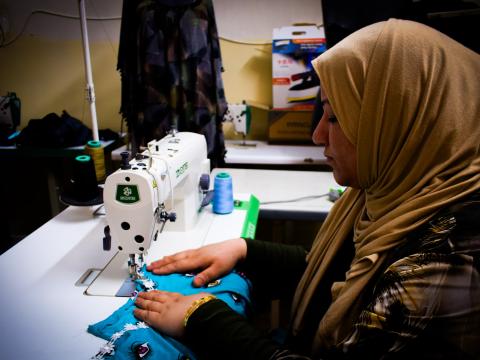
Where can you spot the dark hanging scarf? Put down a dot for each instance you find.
(170, 65)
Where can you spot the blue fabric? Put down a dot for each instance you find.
(146, 343)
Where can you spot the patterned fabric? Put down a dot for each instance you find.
(427, 303)
(130, 339)
(170, 63)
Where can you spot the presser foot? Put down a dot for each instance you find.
(135, 265)
(128, 288)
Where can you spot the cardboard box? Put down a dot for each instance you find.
(290, 127)
(295, 84)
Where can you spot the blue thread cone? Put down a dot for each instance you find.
(222, 194)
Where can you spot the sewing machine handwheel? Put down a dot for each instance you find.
(204, 182)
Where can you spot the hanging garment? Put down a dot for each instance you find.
(129, 338)
(170, 65)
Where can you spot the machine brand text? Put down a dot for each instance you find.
(182, 169)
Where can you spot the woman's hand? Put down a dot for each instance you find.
(164, 311)
(213, 261)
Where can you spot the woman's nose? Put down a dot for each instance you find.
(320, 134)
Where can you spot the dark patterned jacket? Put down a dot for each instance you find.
(170, 65)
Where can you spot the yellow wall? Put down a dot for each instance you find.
(248, 76)
(48, 76)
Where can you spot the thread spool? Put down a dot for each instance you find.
(82, 189)
(95, 150)
(223, 194)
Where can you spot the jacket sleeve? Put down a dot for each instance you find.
(214, 332)
(274, 269)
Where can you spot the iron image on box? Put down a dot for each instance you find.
(295, 84)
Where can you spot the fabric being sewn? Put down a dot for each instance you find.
(129, 338)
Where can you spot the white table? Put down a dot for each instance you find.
(44, 314)
(273, 187)
(263, 153)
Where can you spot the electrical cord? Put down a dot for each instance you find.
(333, 195)
(294, 200)
(261, 42)
(108, 18)
(76, 17)
(97, 211)
(2, 35)
(51, 13)
(245, 42)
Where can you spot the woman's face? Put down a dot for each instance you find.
(340, 152)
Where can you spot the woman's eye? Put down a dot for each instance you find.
(332, 119)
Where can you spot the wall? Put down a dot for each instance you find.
(45, 65)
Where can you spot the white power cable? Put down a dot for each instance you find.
(294, 200)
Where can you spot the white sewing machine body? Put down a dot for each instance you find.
(171, 176)
(134, 197)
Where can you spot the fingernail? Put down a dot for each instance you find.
(199, 280)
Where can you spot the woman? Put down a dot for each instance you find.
(394, 270)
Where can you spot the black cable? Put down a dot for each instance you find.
(2, 35)
(97, 212)
(46, 12)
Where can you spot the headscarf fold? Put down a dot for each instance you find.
(407, 97)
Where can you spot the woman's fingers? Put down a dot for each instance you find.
(155, 300)
(180, 263)
(181, 266)
(150, 307)
(164, 310)
(154, 295)
(167, 260)
(151, 317)
(200, 280)
(211, 261)
(209, 274)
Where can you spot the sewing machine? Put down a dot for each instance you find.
(157, 204)
(167, 182)
(240, 116)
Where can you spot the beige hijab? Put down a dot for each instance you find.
(407, 97)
